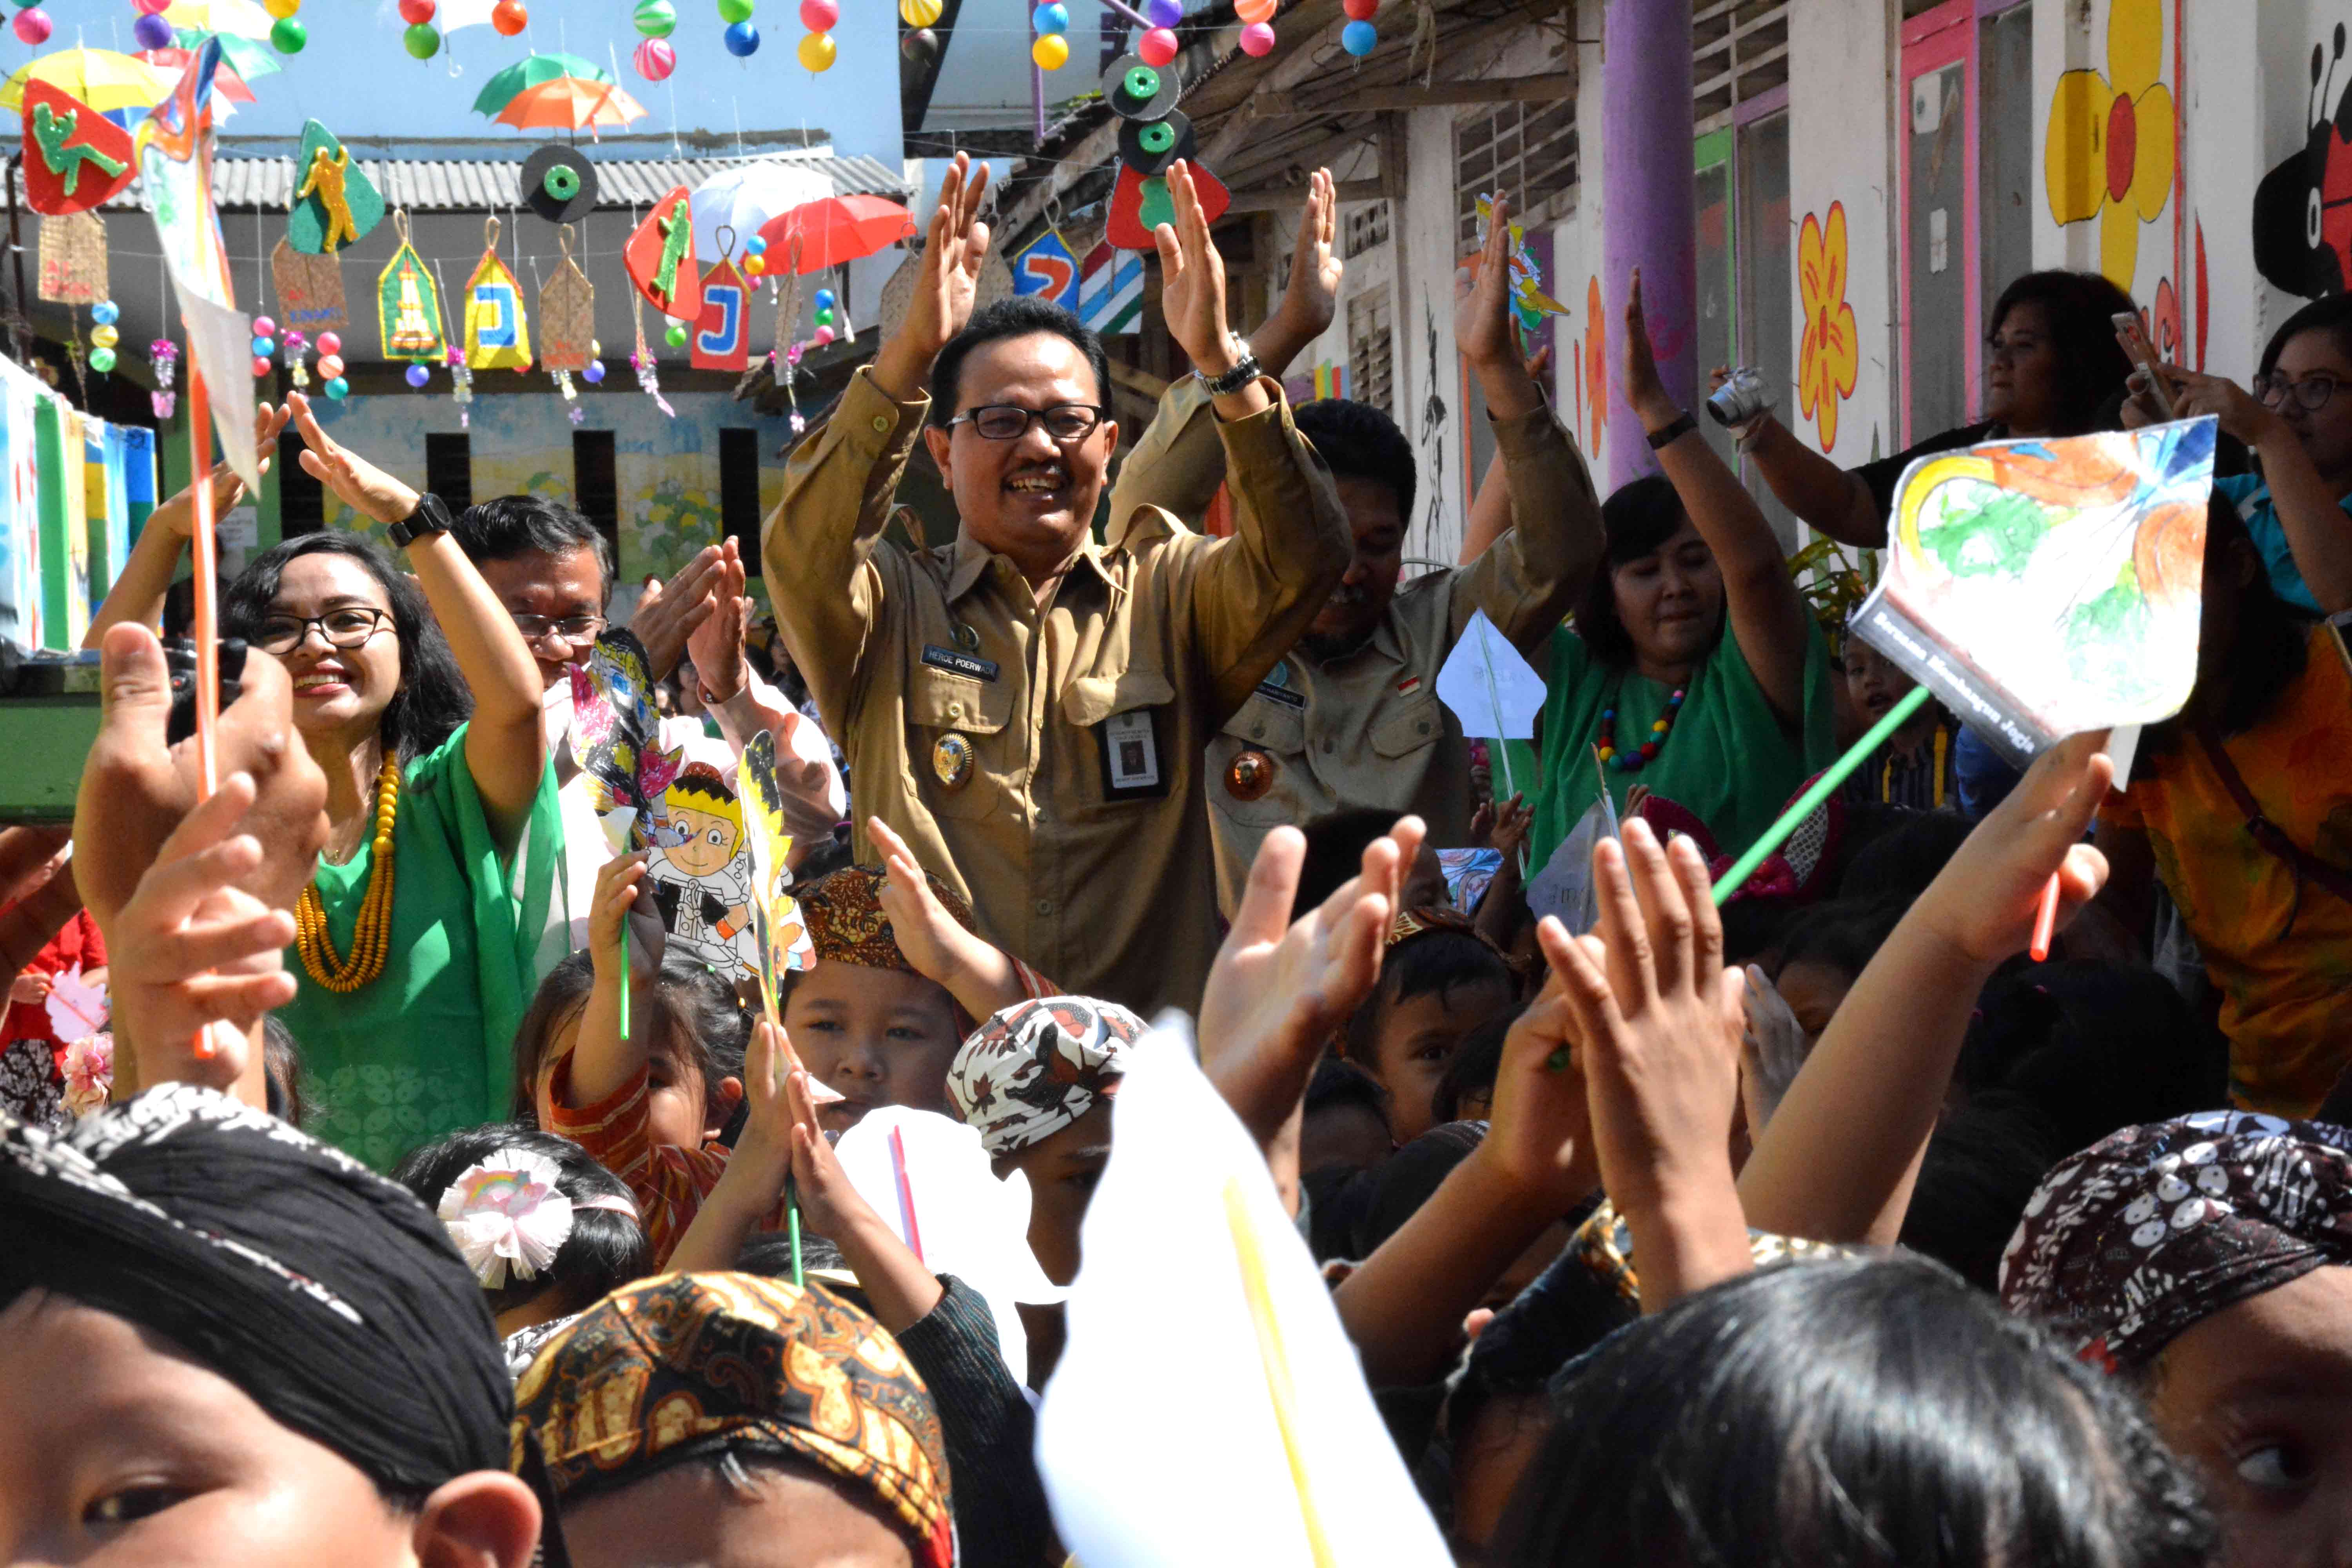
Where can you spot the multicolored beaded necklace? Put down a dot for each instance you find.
(1634, 762)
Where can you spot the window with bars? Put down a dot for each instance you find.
(1371, 351)
(1739, 52)
(1367, 226)
(450, 468)
(596, 487)
(1528, 149)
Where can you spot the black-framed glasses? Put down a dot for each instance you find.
(2312, 391)
(345, 628)
(573, 629)
(1064, 422)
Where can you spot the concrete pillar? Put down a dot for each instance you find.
(1646, 205)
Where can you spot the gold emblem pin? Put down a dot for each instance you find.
(952, 761)
(1249, 775)
(967, 637)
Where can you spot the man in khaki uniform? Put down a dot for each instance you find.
(1026, 708)
(1350, 717)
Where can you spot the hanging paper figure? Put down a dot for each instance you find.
(659, 257)
(1529, 301)
(53, 132)
(700, 870)
(567, 314)
(408, 307)
(722, 338)
(336, 204)
(612, 724)
(498, 337)
(782, 938)
(65, 141)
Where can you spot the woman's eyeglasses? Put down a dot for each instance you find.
(1064, 422)
(2312, 391)
(346, 628)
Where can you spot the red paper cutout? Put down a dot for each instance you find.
(679, 295)
(1128, 229)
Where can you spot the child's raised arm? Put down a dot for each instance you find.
(602, 1061)
(982, 978)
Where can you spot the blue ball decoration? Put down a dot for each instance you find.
(755, 246)
(824, 300)
(106, 312)
(1050, 19)
(1164, 12)
(418, 375)
(264, 347)
(1360, 38)
(339, 389)
(594, 372)
(742, 38)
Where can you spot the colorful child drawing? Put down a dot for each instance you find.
(700, 870)
(783, 936)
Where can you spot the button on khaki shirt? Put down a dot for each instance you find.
(1045, 760)
(1367, 729)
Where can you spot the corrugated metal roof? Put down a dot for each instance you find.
(424, 185)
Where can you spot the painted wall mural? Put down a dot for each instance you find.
(2109, 150)
(2303, 209)
(1829, 360)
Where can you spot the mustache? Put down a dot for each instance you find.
(1349, 596)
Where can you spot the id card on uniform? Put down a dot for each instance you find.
(1130, 758)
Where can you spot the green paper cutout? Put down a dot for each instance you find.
(53, 132)
(1157, 206)
(408, 309)
(336, 204)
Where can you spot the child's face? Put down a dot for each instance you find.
(880, 1036)
(679, 1108)
(1417, 1037)
(1063, 1172)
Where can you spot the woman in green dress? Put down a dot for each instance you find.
(1693, 666)
(415, 942)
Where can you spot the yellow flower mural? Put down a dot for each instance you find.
(1831, 356)
(2109, 152)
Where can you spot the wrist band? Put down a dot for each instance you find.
(1682, 425)
(1234, 380)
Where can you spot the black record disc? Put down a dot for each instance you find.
(1139, 92)
(558, 183)
(1149, 146)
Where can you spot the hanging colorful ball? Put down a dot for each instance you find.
(755, 246)
(742, 39)
(287, 35)
(1359, 10)
(1257, 39)
(263, 345)
(418, 375)
(1157, 48)
(1050, 17)
(655, 59)
(822, 316)
(261, 365)
(655, 18)
(151, 8)
(1254, 10)
(1360, 38)
(1163, 13)
(102, 359)
(676, 335)
(152, 33)
(823, 299)
(754, 265)
(330, 365)
(32, 25)
(264, 327)
(339, 389)
(509, 17)
(329, 343)
(416, 13)
(820, 15)
(735, 10)
(422, 41)
(1051, 52)
(295, 342)
(920, 13)
(280, 8)
(106, 337)
(821, 336)
(920, 45)
(106, 312)
(594, 372)
(816, 51)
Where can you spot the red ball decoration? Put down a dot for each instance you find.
(509, 17)
(1257, 40)
(820, 15)
(1158, 47)
(655, 59)
(1361, 10)
(417, 13)
(261, 365)
(32, 26)
(151, 8)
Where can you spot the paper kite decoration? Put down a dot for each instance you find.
(335, 204)
(2044, 588)
(1529, 301)
(722, 339)
(660, 258)
(498, 334)
(75, 157)
(407, 305)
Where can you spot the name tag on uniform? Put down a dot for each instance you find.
(1282, 694)
(1130, 757)
(970, 667)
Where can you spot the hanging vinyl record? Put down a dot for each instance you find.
(558, 183)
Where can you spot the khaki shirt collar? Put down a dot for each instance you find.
(969, 561)
(1383, 641)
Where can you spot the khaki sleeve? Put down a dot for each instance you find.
(818, 545)
(1176, 464)
(1530, 575)
(1254, 593)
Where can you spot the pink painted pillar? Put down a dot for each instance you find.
(1646, 201)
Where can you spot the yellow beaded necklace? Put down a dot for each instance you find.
(372, 933)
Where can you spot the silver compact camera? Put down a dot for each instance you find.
(1740, 399)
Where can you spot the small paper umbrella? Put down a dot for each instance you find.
(242, 17)
(530, 71)
(226, 84)
(745, 198)
(101, 78)
(837, 229)
(568, 103)
(248, 59)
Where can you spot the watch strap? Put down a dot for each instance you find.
(1234, 380)
(1682, 426)
(431, 516)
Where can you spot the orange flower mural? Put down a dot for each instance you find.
(2109, 152)
(1596, 360)
(1830, 359)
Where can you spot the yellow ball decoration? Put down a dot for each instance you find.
(920, 13)
(816, 51)
(105, 337)
(754, 265)
(1051, 52)
(281, 9)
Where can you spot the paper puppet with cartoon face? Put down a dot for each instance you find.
(700, 870)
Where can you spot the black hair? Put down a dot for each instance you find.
(605, 1250)
(1638, 518)
(690, 1005)
(1356, 441)
(825, 856)
(2079, 309)
(2330, 313)
(1981, 1166)
(1843, 933)
(2095, 1047)
(1844, 1413)
(1900, 862)
(2268, 643)
(1017, 316)
(433, 698)
(284, 1083)
(1334, 851)
(770, 1253)
(1408, 1179)
(1472, 1068)
(507, 526)
(1427, 963)
(1338, 1082)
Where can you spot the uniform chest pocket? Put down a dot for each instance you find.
(1416, 724)
(1131, 718)
(1255, 765)
(957, 744)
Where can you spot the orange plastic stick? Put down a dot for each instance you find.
(2045, 921)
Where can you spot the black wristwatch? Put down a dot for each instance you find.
(430, 517)
(1245, 370)
(1661, 439)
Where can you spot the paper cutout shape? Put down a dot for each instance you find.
(1150, 146)
(782, 942)
(567, 315)
(310, 290)
(612, 730)
(75, 158)
(407, 305)
(722, 337)
(335, 203)
(558, 183)
(174, 156)
(1493, 692)
(1529, 301)
(1564, 886)
(2042, 588)
(73, 269)
(1267, 1411)
(1138, 204)
(660, 258)
(75, 1006)
(498, 334)
(1047, 269)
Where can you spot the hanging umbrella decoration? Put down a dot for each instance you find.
(228, 85)
(104, 80)
(746, 195)
(531, 71)
(837, 229)
(570, 103)
(248, 59)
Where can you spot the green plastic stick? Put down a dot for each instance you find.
(1823, 787)
(793, 1226)
(624, 977)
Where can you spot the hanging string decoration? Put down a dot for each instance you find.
(163, 354)
(642, 362)
(408, 306)
(104, 335)
(310, 290)
(73, 259)
(330, 365)
(498, 336)
(295, 345)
